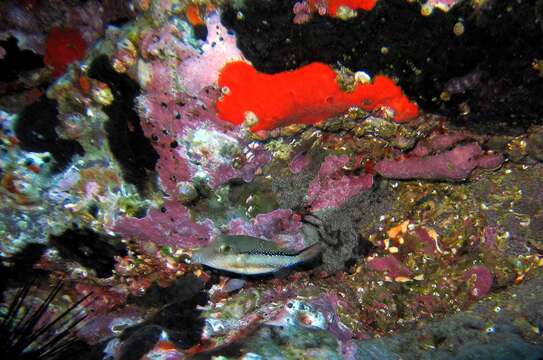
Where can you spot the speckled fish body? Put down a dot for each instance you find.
(247, 255)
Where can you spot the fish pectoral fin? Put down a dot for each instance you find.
(309, 252)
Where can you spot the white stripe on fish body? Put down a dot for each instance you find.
(249, 270)
(254, 264)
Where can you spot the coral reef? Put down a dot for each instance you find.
(185, 120)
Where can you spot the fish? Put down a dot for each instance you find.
(248, 255)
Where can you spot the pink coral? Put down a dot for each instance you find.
(332, 187)
(171, 225)
(429, 303)
(490, 235)
(163, 42)
(202, 70)
(490, 161)
(257, 156)
(281, 226)
(389, 264)
(299, 162)
(479, 280)
(302, 12)
(438, 142)
(456, 164)
(178, 111)
(429, 245)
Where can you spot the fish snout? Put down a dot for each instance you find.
(198, 257)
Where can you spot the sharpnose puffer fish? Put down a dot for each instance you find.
(247, 255)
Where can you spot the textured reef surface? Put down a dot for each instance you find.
(403, 139)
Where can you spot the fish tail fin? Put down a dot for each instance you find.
(309, 253)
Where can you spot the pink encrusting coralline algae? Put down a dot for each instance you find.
(438, 142)
(171, 225)
(299, 162)
(332, 187)
(281, 226)
(456, 164)
(202, 69)
(389, 264)
(479, 280)
(178, 109)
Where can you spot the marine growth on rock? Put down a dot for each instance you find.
(271, 179)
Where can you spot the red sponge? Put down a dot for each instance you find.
(63, 46)
(333, 5)
(307, 95)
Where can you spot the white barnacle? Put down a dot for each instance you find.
(345, 13)
(250, 119)
(362, 77)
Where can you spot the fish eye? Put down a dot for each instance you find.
(224, 248)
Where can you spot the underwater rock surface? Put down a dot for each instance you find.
(403, 138)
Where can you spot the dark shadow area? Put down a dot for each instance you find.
(90, 249)
(35, 129)
(178, 317)
(17, 61)
(200, 32)
(128, 144)
(18, 269)
(31, 333)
